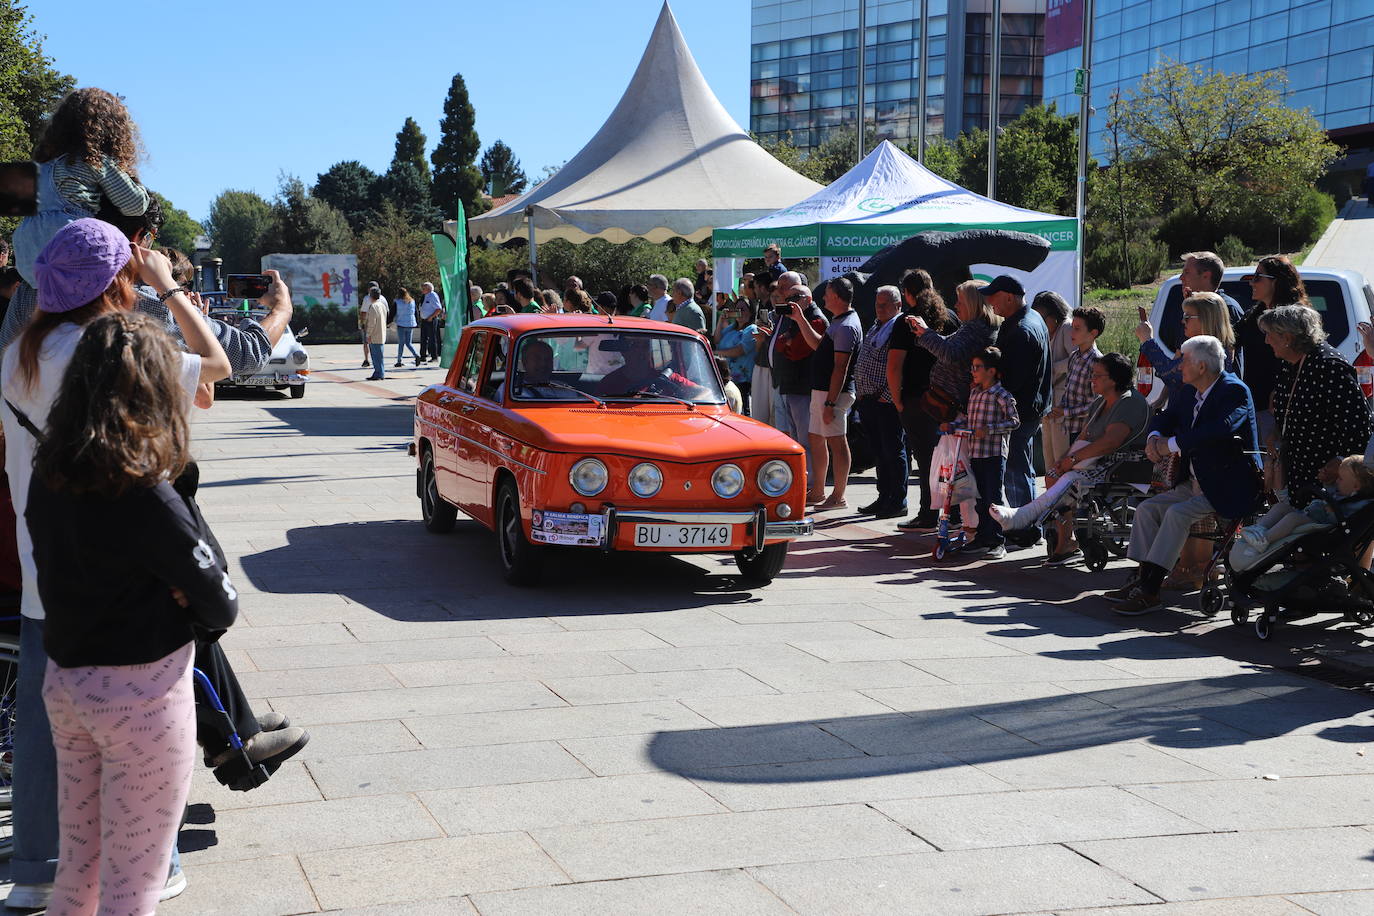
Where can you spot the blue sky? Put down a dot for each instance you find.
(230, 99)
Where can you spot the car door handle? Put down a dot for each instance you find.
(468, 408)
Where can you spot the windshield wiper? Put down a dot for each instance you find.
(666, 397)
(552, 384)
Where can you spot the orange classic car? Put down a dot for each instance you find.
(602, 433)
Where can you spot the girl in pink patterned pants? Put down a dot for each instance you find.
(125, 738)
(128, 573)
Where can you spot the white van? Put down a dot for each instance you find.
(1343, 298)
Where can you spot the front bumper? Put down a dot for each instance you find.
(265, 380)
(612, 529)
(757, 529)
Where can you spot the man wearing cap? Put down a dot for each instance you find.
(363, 308)
(1026, 372)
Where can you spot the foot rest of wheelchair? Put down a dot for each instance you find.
(240, 774)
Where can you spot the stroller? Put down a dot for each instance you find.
(1319, 572)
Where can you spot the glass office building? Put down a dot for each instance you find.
(804, 79)
(1326, 47)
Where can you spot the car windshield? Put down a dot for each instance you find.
(614, 365)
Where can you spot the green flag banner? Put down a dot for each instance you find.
(451, 253)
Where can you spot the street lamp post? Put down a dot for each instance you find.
(863, 39)
(1083, 85)
(994, 96)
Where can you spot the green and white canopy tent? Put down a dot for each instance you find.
(886, 199)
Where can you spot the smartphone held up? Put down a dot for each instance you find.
(246, 286)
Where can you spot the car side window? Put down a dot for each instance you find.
(472, 364)
(494, 383)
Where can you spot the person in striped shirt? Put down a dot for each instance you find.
(88, 151)
(991, 417)
(1088, 324)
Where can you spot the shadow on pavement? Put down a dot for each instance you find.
(386, 421)
(401, 571)
(1201, 713)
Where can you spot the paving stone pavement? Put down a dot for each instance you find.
(871, 733)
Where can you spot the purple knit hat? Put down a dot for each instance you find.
(79, 264)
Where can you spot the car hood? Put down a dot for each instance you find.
(668, 433)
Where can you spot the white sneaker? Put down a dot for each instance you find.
(176, 883)
(29, 896)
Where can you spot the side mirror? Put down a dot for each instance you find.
(303, 332)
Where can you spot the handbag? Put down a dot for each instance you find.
(938, 405)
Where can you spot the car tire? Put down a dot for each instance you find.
(763, 566)
(298, 391)
(521, 561)
(437, 514)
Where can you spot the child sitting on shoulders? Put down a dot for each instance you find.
(88, 151)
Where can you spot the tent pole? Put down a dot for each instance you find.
(994, 97)
(1085, 109)
(863, 40)
(534, 256)
(921, 86)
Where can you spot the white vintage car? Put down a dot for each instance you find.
(287, 368)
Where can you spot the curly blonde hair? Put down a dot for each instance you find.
(90, 124)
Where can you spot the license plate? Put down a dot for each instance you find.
(682, 535)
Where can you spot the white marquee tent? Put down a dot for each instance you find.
(670, 161)
(884, 200)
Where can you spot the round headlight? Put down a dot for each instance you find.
(775, 477)
(645, 480)
(727, 481)
(588, 477)
(299, 357)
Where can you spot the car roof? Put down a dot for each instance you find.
(1354, 277)
(525, 322)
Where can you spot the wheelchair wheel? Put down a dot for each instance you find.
(9, 683)
(1212, 600)
(1121, 513)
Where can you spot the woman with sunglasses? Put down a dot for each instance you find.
(1203, 313)
(1275, 282)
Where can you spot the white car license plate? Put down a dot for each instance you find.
(682, 535)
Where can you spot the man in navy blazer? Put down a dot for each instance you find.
(1210, 425)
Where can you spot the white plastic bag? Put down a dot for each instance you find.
(950, 470)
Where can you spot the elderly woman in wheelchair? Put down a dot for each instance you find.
(1117, 419)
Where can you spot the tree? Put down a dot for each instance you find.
(302, 224)
(30, 87)
(407, 190)
(501, 171)
(179, 231)
(1120, 248)
(395, 252)
(455, 172)
(1218, 142)
(351, 188)
(604, 265)
(410, 147)
(239, 221)
(1037, 161)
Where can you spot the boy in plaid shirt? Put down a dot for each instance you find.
(991, 415)
(1072, 412)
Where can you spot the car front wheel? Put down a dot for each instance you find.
(763, 566)
(521, 561)
(438, 515)
(298, 391)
